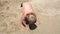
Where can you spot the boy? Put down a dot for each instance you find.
(29, 17)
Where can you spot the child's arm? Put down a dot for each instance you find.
(27, 26)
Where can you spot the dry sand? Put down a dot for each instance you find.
(47, 11)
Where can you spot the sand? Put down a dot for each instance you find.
(47, 11)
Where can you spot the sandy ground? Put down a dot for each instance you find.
(47, 11)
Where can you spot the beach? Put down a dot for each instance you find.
(47, 12)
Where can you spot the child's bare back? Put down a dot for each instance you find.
(29, 16)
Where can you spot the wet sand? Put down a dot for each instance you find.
(47, 11)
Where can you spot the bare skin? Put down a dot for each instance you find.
(27, 8)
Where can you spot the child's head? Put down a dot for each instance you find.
(31, 18)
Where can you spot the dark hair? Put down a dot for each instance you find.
(32, 26)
